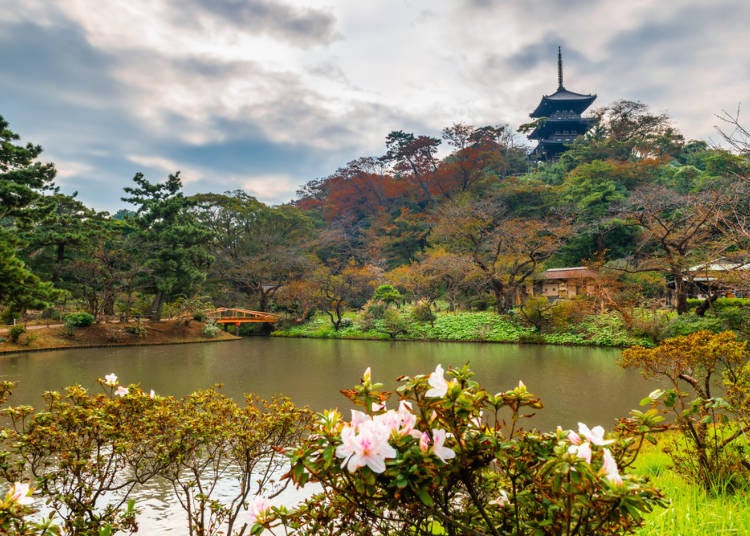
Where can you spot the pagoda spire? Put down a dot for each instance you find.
(559, 69)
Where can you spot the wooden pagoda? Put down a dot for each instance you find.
(559, 120)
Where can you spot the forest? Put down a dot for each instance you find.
(633, 200)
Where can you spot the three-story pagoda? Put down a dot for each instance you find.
(560, 119)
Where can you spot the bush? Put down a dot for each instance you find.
(210, 330)
(422, 312)
(15, 332)
(451, 460)
(689, 323)
(137, 330)
(713, 424)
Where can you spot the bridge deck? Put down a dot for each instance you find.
(225, 315)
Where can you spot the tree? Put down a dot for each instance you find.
(22, 180)
(677, 230)
(625, 130)
(65, 225)
(348, 289)
(258, 249)
(20, 289)
(413, 158)
(172, 241)
(506, 250)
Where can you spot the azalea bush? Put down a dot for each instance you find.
(452, 458)
(85, 454)
(709, 400)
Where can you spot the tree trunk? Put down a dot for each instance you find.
(156, 306)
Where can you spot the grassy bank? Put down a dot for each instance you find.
(116, 334)
(692, 511)
(595, 330)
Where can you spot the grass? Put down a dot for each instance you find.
(599, 330)
(692, 511)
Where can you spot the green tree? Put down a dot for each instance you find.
(22, 180)
(258, 249)
(172, 240)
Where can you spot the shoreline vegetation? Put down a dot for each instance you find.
(39, 338)
(604, 330)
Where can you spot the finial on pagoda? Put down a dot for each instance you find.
(559, 69)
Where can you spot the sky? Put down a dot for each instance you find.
(265, 95)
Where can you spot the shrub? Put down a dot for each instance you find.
(210, 330)
(15, 332)
(79, 320)
(422, 312)
(137, 330)
(689, 323)
(451, 460)
(713, 449)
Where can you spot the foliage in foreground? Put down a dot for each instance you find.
(714, 419)
(86, 453)
(454, 459)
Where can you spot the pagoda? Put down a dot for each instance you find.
(559, 119)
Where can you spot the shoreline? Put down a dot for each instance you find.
(51, 338)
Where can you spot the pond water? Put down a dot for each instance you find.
(575, 384)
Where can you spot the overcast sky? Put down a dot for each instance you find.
(264, 95)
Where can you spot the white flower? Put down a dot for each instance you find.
(366, 445)
(595, 435)
(609, 466)
(151, 394)
(437, 383)
(20, 493)
(439, 448)
(110, 379)
(582, 451)
(121, 391)
(258, 507)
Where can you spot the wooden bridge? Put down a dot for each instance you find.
(224, 315)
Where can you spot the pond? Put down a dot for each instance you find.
(575, 384)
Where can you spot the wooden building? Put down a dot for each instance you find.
(558, 283)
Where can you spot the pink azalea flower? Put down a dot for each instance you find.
(439, 448)
(582, 451)
(595, 435)
(359, 417)
(366, 446)
(110, 379)
(574, 438)
(609, 466)
(258, 508)
(437, 383)
(424, 441)
(121, 391)
(20, 493)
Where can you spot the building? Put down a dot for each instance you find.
(721, 277)
(557, 283)
(559, 120)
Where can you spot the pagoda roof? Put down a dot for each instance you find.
(562, 99)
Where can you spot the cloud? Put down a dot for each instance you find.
(299, 26)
